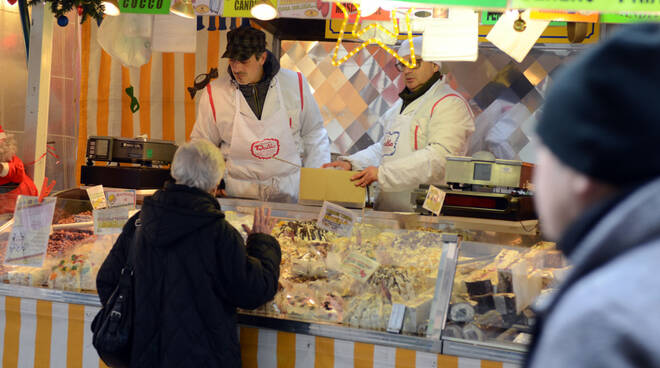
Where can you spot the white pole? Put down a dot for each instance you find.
(38, 91)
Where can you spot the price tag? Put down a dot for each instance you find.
(336, 218)
(359, 267)
(97, 197)
(434, 200)
(396, 318)
(117, 198)
(28, 241)
(110, 220)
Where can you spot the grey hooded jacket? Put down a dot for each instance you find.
(607, 313)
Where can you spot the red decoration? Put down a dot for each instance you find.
(80, 11)
(12, 2)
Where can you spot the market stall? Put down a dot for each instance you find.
(460, 296)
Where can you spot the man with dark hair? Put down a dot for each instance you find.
(264, 119)
(598, 193)
(429, 122)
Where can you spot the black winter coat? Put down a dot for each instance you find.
(192, 271)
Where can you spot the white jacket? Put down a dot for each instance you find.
(442, 125)
(306, 122)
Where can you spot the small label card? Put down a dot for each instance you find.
(434, 200)
(97, 197)
(336, 218)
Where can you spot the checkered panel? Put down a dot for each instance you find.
(505, 96)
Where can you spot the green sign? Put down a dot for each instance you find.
(614, 6)
(628, 18)
(145, 6)
(489, 18)
(470, 3)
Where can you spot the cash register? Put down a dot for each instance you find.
(135, 163)
(485, 187)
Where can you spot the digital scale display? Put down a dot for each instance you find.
(482, 172)
(102, 147)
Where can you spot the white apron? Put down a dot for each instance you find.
(254, 145)
(397, 145)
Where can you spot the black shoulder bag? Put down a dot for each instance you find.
(113, 325)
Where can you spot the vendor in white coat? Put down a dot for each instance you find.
(264, 119)
(430, 122)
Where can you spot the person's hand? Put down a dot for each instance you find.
(344, 165)
(365, 177)
(263, 223)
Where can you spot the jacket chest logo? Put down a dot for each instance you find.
(265, 149)
(390, 142)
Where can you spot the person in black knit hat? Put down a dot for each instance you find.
(597, 185)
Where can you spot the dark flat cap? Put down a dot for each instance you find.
(602, 113)
(244, 42)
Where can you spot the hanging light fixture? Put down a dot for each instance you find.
(111, 7)
(183, 8)
(264, 10)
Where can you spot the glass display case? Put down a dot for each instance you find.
(73, 254)
(440, 284)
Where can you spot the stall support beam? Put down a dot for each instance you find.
(37, 101)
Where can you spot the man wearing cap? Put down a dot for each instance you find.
(597, 182)
(264, 119)
(13, 180)
(430, 122)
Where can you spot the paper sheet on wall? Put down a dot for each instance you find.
(173, 33)
(453, 39)
(516, 43)
(28, 241)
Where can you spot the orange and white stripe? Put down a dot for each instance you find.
(166, 109)
(38, 333)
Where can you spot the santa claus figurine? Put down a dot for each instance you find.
(13, 180)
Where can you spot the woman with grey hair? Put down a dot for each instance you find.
(192, 268)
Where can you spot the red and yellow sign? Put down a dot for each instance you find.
(565, 16)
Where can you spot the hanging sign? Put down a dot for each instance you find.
(489, 18)
(470, 3)
(145, 6)
(565, 16)
(628, 18)
(594, 5)
(28, 240)
(241, 8)
(337, 13)
(304, 9)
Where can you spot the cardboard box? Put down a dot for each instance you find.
(318, 185)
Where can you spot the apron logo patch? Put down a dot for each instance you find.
(390, 142)
(265, 149)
